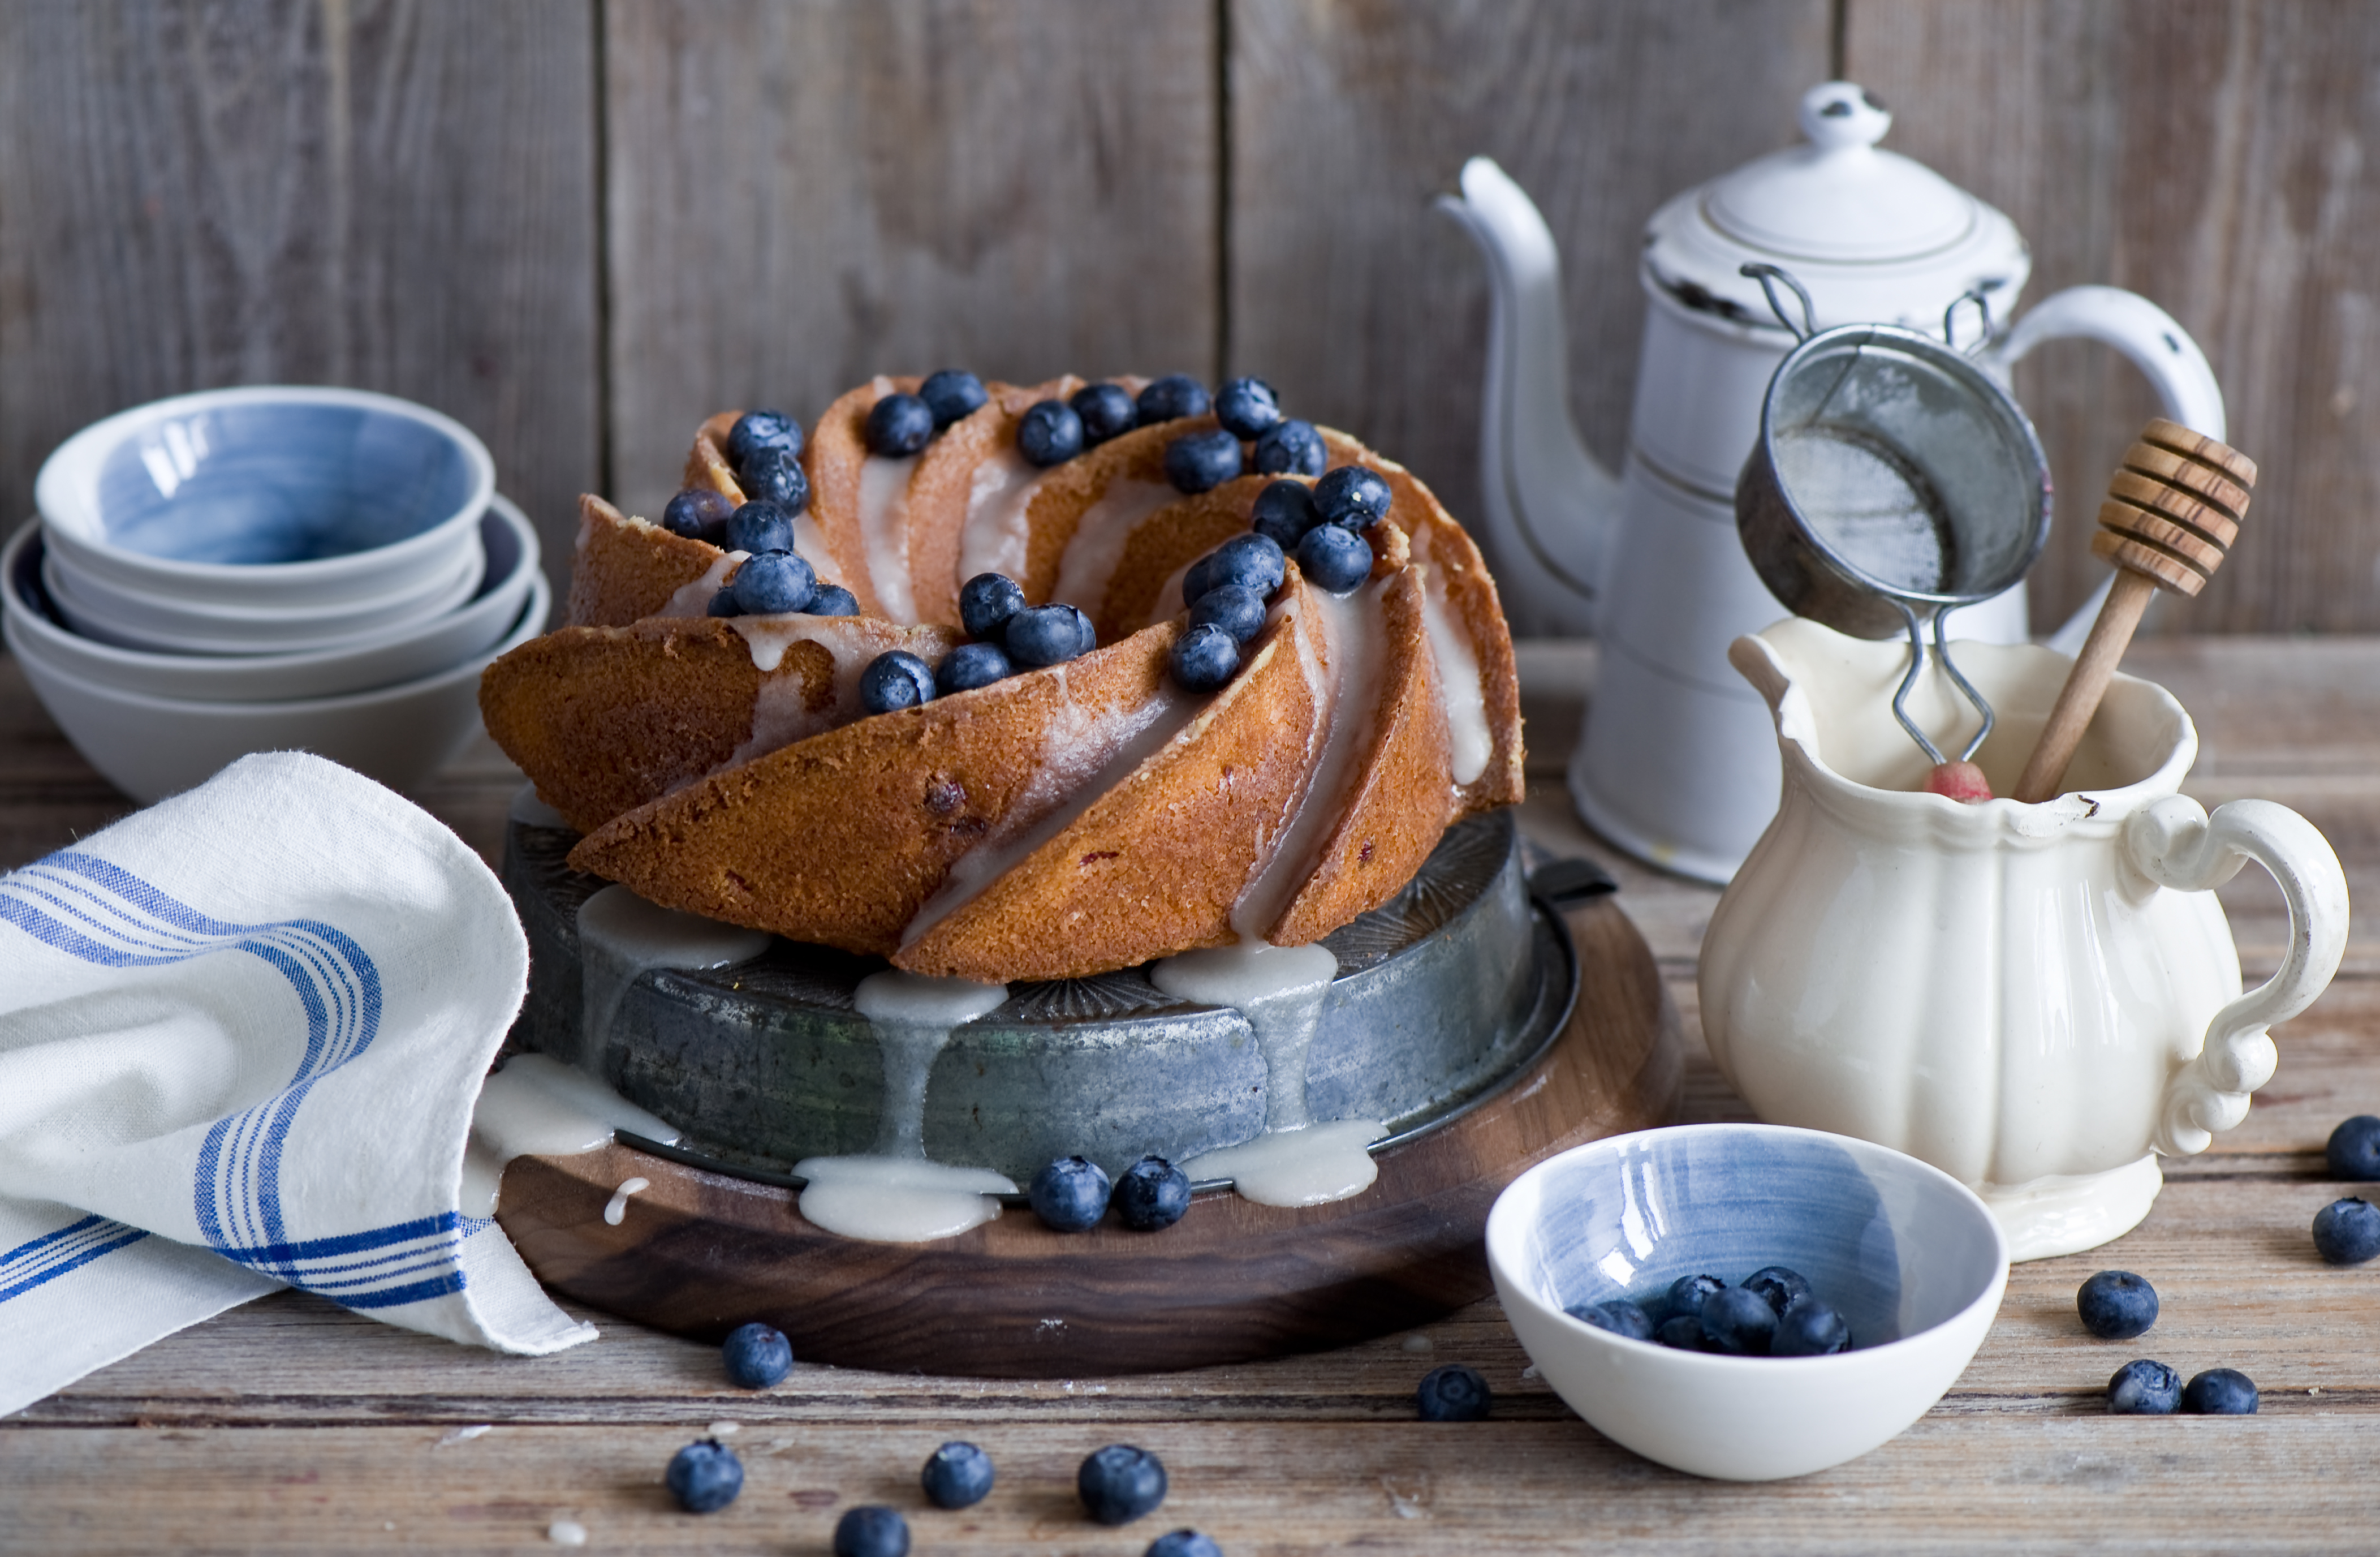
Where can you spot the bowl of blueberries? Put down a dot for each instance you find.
(1746, 1302)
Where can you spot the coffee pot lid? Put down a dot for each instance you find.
(1873, 236)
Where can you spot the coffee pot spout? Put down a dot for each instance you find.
(1549, 508)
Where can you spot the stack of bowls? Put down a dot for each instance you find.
(268, 568)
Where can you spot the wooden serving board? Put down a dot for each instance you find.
(698, 1253)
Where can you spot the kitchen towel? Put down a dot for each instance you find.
(241, 1035)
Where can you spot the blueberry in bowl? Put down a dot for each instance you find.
(1617, 1315)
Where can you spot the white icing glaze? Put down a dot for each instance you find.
(1090, 557)
(537, 1105)
(898, 1200)
(1279, 990)
(912, 1015)
(993, 539)
(884, 532)
(621, 935)
(1460, 690)
(1309, 1166)
(615, 1211)
(1168, 595)
(530, 812)
(694, 600)
(566, 1532)
(781, 710)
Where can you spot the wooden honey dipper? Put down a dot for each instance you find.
(2171, 513)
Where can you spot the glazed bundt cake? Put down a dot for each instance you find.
(1017, 683)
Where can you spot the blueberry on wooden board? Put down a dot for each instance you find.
(1170, 397)
(2347, 1231)
(2220, 1392)
(1203, 659)
(1152, 1195)
(1182, 1543)
(971, 665)
(2144, 1388)
(872, 1530)
(957, 1475)
(2354, 1150)
(1201, 461)
(757, 1356)
(1051, 433)
(898, 426)
(1738, 1322)
(1107, 410)
(1291, 448)
(760, 525)
(1334, 559)
(1070, 1194)
(1120, 1483)
(698, 514)
(1246, 407)
(895, 679)
(705, 1475)
(2117, 1305)
(952, 393)
(1453, 1394)
(773, 583)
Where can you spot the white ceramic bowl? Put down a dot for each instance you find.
(404, 654)
(151, 746)
(1910, 1257)
(274, 496)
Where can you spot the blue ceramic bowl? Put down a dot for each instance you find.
(272, 497)
(1910, 1257)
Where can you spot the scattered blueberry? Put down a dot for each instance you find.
(1738, 1322)
(987, 602)
(1051, 433)
(2347, 1231)
(2116, 1305)
(1284, 512)
(1250, 561)
(760, 525)
(871, 1531)
(1175, 394)
(1105, 410)
(2354, 1150)
(2220, 1392)
(1334, 559)
(1684, 1333)
(1783, 1290)
(1810, 1329)
(1120, 1483)
(1291, 448)
(1618, 1316)
(776, 475)
(895, 679)
(832, 600)
(705, 1475)
(1152, 1193)
(1204, 659)
(1235, 608)
(1182, 1543)
(722, 604)
(971, 665)
(958, 1476)
(1687, 1294)
(755, 430)
(951, 395)
(1453, 1394)
(898, 426)
(1070, 1194)
(1201, 461)
(757, 1356)
(2144, 1388)
(1048, 634)
(697, 513)
(1352, 495)
(1246, 407)
(773, 582)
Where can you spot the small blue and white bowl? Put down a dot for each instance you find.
(1910, 1257)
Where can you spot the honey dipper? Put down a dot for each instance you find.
(2172, 512)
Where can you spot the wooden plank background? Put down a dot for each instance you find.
(580, 225)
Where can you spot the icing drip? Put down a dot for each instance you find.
(1169, 603)
(781, 712)
(1460, 690)
(995, 535)
(530, 812)
(539, 1105)
(895, 1194)
(1098, 545)
(694, 600)
(615, 1211)
(884, 532)
(1310, 1166)
(621, 935)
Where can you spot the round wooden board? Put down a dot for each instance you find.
(698, 1253)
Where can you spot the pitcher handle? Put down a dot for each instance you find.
(2150, 338)
(2177, 844)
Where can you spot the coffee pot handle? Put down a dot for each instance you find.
(2177, 844)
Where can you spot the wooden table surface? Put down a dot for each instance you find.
(292, 1426)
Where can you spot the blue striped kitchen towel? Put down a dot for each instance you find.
(241, 1035)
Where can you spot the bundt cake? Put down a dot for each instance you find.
(1021, 682)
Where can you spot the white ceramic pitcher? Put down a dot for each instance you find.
(2039, 1000)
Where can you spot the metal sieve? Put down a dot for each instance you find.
(1893, 482)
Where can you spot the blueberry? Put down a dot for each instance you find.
(1152, 1193)
(1051, 433)
(1782, 1290)
(1201, 461)
(1810, 1329)
(1284, 512)
(1235, 608)
(958, 1476)
(1106, 411)
(2354, 1150)
(1182, 1543)
(871, 1531)
(1688, 1293)
(1253, 562)
(1175, 394)
(1618, 1316)
(755, 430)
(760, 525)
(951, 395)
(2347, 1231)
(757, 1356)
(1684, 1333)
(1738, 1322)
(1246, 407)
(722, 604)
(1047, 635)
(1120, 1483)
(971, 665)
(898, 426)
(1204, 659)
(1352, 495)
(773, 582)
(1291, 448)
(2144, 1388)
(1070, 1194)
(2220, 1392)
(1334, 559)
(705, 1475)
(1453, 1394)
(2116, 1305)
(832, 600)
(895, 679)
(776, 475)
(987, 602)
(697, 513)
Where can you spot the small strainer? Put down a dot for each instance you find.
(1893, 482)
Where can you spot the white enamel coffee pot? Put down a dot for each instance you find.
(1678, 765)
